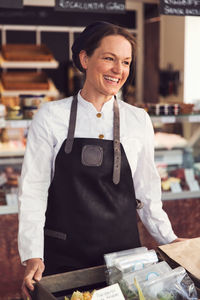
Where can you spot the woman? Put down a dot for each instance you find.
(87, 159)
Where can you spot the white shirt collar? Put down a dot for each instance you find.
(107, 107)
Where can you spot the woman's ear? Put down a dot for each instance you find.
(83, 59)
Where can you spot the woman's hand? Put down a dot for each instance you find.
(34, 269)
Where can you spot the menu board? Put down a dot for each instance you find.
(100, 6)
(180, 7)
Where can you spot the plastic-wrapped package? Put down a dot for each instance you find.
(113, 274)
(110, 257)
(149, 273)
(135, 261)
(175, 285)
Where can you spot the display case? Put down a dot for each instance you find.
(177, 155)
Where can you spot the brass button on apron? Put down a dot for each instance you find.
(98, 115)
(101, 136)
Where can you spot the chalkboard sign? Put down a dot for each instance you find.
(100, 6)
(180, 7)
(11, 3)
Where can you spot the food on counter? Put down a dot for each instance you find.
(81, 295)
(169, 140)
(166, 184)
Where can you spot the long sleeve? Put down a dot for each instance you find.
(34, 184)
(148, 190)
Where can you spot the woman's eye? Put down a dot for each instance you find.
(108, 58)
(127, 63)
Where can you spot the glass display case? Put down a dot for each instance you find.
(177, 155)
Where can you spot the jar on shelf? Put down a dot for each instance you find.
(14, 113)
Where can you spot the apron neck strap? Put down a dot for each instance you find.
(72, 125)
(116, 136)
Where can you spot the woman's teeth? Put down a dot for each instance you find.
(111, 79)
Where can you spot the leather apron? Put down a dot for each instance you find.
(91, 208)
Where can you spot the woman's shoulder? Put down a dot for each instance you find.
(59, 105)
(55, 109)
(132, 111)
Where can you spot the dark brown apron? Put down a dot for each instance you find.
(91, 203)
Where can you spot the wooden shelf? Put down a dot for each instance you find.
(51, 92)
(53, 64)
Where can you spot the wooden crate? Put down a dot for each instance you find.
(60, 285)
(26, 52)
(24, 81)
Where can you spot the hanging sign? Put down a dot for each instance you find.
(180, 7)
(100, 6)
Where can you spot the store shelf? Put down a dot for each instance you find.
(193, 118)
(51, 92)
(182, 195)
(52, 64)
(18, 123)
(11, 153)
(11, 160)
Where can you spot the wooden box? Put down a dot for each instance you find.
(26, 52)
(24, 81)
(64, 284)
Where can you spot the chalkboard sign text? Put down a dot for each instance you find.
(117, 6)
(180, 7)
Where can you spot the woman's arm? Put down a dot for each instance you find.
(148, 189)
(33, 193)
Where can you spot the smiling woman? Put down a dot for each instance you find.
(81, 200)
(106, 70)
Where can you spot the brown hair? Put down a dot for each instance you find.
(91, 37)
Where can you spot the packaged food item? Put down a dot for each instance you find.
(29, 111)
(148, 273)
(136, 261)
(110, 257)
(14, 113)
(127, 283)
(113, 274)
(32, 100)
(174, 285)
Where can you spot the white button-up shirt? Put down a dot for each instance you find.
(47, 132)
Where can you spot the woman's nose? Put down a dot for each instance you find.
(117, 68)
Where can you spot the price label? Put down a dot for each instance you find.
(112, 292)
(11, 199)
(3, 179)
(194, 186)
(175, 187)
(169, 119)
(189, 175)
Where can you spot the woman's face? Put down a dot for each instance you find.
(108, 67)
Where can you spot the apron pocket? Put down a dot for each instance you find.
(92, 155)
(55, 234)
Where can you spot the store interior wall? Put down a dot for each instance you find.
(192, 59)
(172, 36)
